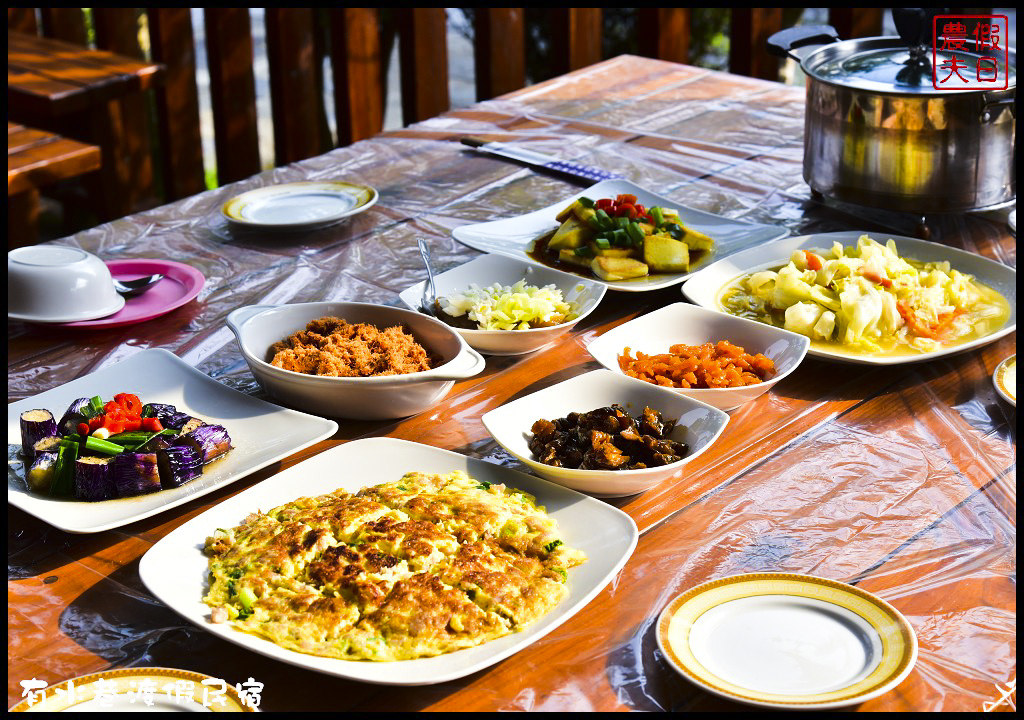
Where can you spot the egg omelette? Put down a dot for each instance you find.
(421, 566)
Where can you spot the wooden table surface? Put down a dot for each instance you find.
(900, 480)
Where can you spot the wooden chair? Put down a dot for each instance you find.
(37, 159)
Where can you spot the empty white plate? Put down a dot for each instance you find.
(299, 205)
(787, 641)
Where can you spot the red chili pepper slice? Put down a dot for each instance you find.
(152, 424)
(83, 428)
(130, 403)
(625, 210)
(604, 203)
(624, 198)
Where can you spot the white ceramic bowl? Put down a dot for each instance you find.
(698, 426)
(258, 327)
(59, 283)
(486, 270)
(657, 331)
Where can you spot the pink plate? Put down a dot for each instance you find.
(181, 283)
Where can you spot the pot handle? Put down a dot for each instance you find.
(996, 100)
(785, 41)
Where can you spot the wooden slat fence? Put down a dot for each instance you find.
(356, 42)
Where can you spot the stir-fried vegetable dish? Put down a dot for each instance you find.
(868, 299)
(120, 448)
(621, 239)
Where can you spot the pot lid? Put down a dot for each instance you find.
(887, 64)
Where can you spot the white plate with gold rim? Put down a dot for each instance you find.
(298, 205)
(785, 640)
(1005, 379)
(136, 690)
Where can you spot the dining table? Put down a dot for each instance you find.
(898, 479)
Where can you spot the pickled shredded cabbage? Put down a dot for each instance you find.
(511, 307)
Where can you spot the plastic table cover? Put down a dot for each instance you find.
(901, 480)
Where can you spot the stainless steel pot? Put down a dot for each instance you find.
(877, 133)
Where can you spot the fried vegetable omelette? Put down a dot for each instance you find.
(418, 567)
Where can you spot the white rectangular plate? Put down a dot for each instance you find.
(514, 236)
(175, 569)
(261, 434)
(704, 287)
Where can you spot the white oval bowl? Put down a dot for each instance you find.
(486, 270)
(258, 327)
(59, 283)
(687, 324)
(699, 425)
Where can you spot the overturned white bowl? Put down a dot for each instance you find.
(486, 270)
(698, 425)
(682, 323)
(59, 283)
(383, 397)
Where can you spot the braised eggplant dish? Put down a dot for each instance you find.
(118, 449)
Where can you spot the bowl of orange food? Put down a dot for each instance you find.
(722, 360)
(352, 360)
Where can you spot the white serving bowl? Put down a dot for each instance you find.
(682, 323)
(698, 426)
(59, 283)
(258, 327)
(486, 270)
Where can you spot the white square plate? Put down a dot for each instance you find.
(486, 270)
(705, 286)
(175, 569)
(514, 236)
(261, 434)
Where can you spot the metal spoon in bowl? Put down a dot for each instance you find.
(427, 301)
(131, 288)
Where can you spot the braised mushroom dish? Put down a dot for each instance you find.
(607, 438)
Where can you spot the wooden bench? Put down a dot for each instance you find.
(36, 159)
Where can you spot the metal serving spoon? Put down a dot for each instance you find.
(429, 292)
(131, 288)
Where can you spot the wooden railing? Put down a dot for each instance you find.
(356, 41)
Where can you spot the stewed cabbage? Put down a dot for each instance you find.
(510, 307)
(869, 299)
